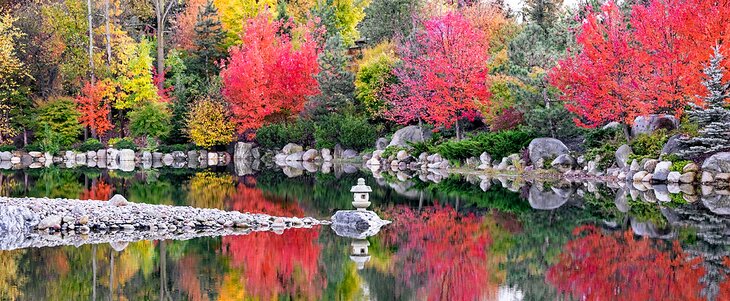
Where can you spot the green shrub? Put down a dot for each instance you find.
(648, 145)
(392, 151)
(56, 123)
(7, 148)
(498, 145)
(150, 119)
(607, 153)
(349, 131)
(598, 137)
(276, 135)
(124, 143)
(174, 148)
(91, 145)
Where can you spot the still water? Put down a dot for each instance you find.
(449, 240)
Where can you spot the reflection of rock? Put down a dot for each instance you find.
(718, 204)
(119, 245)
(404, 189)
(650, 230)
(545, 200)
(292, 172)
(357, 224)
(16, 219)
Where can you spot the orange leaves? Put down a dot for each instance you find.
(267, 74)
(94, 104)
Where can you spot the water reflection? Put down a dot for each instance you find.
(452, 238)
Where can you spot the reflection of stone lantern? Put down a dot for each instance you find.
(359, 252)
(361, 195)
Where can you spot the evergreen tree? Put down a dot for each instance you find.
(386, 18)
(336, 81)
(542, 12)
(713, 119)
(209, 37)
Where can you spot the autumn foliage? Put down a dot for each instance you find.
(444, 75)
(610, 266)
(94, 104)
(648, 62)
(267, 75)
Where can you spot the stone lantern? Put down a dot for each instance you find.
(361, 195)
(359, 252)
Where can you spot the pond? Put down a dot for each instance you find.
(455, 238)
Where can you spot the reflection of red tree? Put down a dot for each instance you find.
(441, 252)
(613, 266)
(251, 199)
(98, 191)
(275, 266)
(189, 281)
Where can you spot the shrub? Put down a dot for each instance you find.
(498, 145)
(208, 124)
(174, 148)
(349, 131)
(649, 145)
(598, 137)
(151, 119)
(7, 148)
(56, 123)
(124, 143)
(91, 145)
(276, 135)
(607, 153)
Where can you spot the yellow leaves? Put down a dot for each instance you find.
(10, 65)
(11, 279)
(349, 13)
(135, 80)
(208, 124)
(210, 190)
(233, 13)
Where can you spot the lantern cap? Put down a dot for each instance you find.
(361, 187)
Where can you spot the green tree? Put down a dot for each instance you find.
(374, 74)
(56, 122)
(136, 82)
(384, 19)
(209, 37)
(542, 12)
(152, 119)
(341, 16)
(335, 80)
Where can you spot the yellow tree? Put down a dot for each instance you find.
(10, 70)
(234, 12)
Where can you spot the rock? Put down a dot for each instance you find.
(310, 155)
(546, 148)
(647, 178)
(722, 177)
(118, 201)
(638, 176)
(193, 156)
(168, 159)
(661, 171)
(674, 177)
(278, 223)
(16, 219)
(50, 222)
(326, 154)
(243, 151)
(292, 148)
(409, 134)
(622, 155)
(485, 158)
(707, 177)
(179, 156)
(6, 156)
(649, 124)
(691, 167)
(650, 165)
(126, 155)
(719, 162)
(295, 157)
(81, 158)
(688, 177)
(337, 154)
(356, 223)
(349, 154)
(112, 155)
(634, 166)
(83, 220)
(381, 143)
(119, 245)
(547, 199)
(91, 156)
(101, 155)
(672, 146)
(402, 155)
(563, 163)
(146, 156)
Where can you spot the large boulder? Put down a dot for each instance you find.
(292, 148)
(381, 143)
(295, 157)
(349, 154)
(661, 171)
(410, 134)
(672, 146)
(126, 155)
(563, 163)
(357, 223)
(719, 162)
(310, 155)
(546, 148)
(622, 155)
(650, 123)
(16, 219)
(243, 151)
(179, 156)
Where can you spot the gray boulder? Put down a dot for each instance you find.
(310, 155)
(485, 158)
(719, 162)
(168, 159)
(649, 124)
(622, 155)
(661, 171)
(112, 154)
(51, 221)
(16, 219)
(563, 163)
(357, 223)
(381, 143)
(410, 134)
(546, 148)
(6, 156)
(326, 154)
(292, 148)
(672, 146)
(349, 154)
(295, 157)
(118, 201)
(179, 156)
(243, 151)
(545, 200)
(126, 155)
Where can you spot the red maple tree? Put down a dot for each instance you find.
(94, 104)
(444, 74)
(267, 75)
(610, 266)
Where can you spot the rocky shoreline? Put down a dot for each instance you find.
(41, 222)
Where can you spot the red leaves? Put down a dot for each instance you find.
(444, 73)
(94, 104)
(267, 74)
(647, 63)
(611, 266)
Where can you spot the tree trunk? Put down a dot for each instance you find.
(627, 132)
(160, 7)
(108, 34)
(458, 130)
(91, 39)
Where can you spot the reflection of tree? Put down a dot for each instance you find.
(610, 266)
(209, 190)
(441, 253)
(11, 280)
(279, 267)
(252, 199)
(98, 191)
(57, 183)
